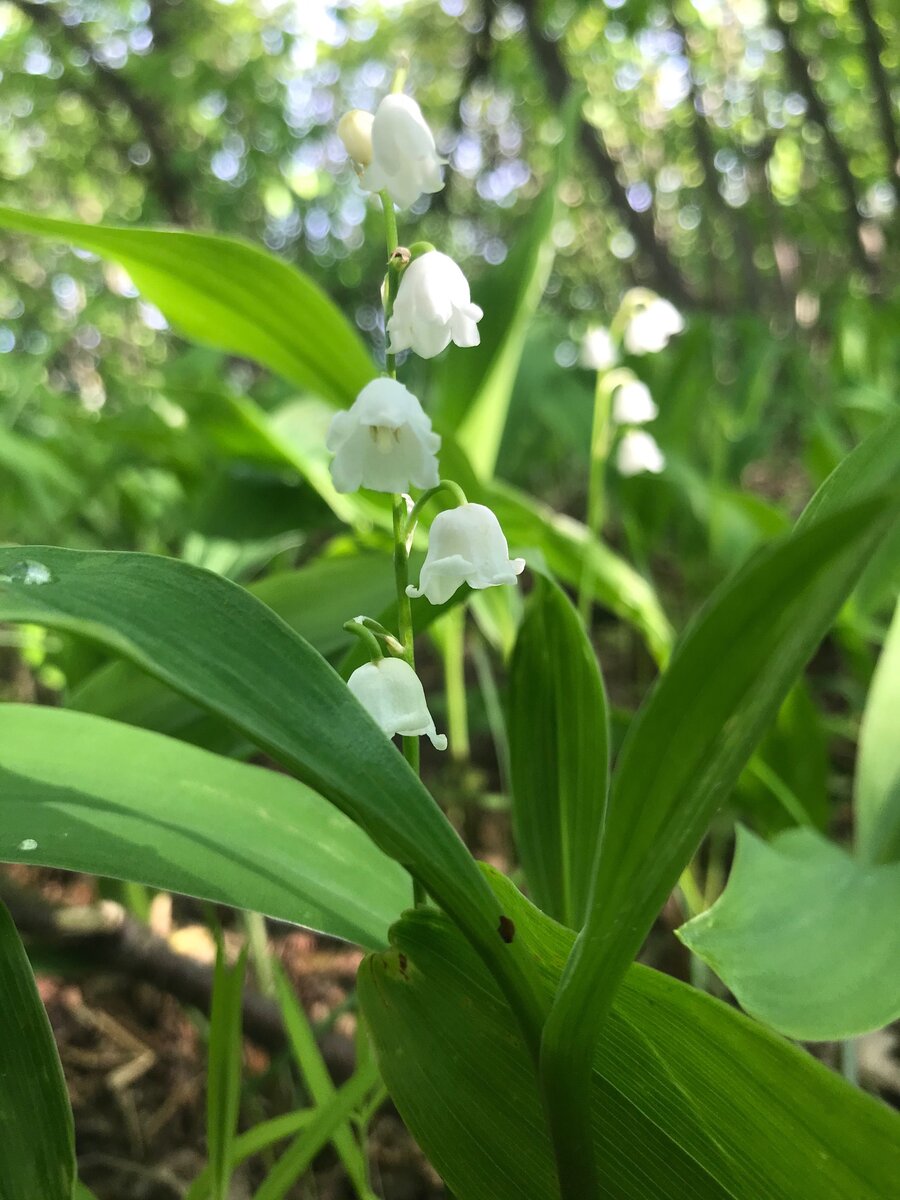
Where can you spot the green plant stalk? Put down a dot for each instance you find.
(401, 551)
(454, 650)
(320, 1130)
(258, 941)
(601, 440)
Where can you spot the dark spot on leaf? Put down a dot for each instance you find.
(507, 929)
(403, 963)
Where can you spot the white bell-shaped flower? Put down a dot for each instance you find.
(433, 307)
(384, 441)
(598, 350)
(355, 131)
(633, 404)
(639, 452)
(465, 545)
(391, 693)
(650, 328)
(404, 160)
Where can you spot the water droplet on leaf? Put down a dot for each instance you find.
(29, 572)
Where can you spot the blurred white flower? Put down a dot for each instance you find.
(465, 545)
(633, 404)
(598, 350)
(650, 328)
(433, 307)
(384, 441)
(639, 452)
(391, 693)
(404, 160)
(355, 131)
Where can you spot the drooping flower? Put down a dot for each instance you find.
(391, 693)
(639, 452)
(355, 131)
(465, 545)
(652, 325)
(633, 404)
(384, 441)
(433, 307)
(598, 350)
(404, 161)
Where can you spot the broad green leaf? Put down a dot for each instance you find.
(802, 937)
(475, 388)
(871, 466)
(223, 649)
(36, 1133)
(878, 770)
(229, 294)
(80, 792)
(315, 601)
(690, 1099)
(559, 746)
(785, 782)
(682, 756)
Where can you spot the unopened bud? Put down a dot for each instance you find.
(355, 131)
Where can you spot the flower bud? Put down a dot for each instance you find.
(403, 161)
(391, 693)
(355, 131)
(433, 307)
(652, 325)
(465, 545)
(638, 452)
(384, 441)
(633, 404)
(598, 350)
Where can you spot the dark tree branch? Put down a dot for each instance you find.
(881, 87)
(667, 278)
(799, 71)
(106, 939)
(706, 154)
(170, 186)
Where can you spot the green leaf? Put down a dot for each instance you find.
(223, 1076)
(800, 937)
(329, 1117)
(475, 388)
(690, 1099)
(259, 1138)
(36, 1130)
(316, 1077)
(878, 770)
(125, 803)
(683, 754)
(559, 747)
(311, 600)
(229, 294)
(223, 649)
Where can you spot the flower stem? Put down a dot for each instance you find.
(601, 439)
(389, 287)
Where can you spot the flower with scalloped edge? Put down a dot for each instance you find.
(433, 307)
(651, 326)
(402, 158)
(392, 694)
(355, 131)
(465, 545)
(598, 349)
(384, 441)
(633, 404)
(638, 453)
